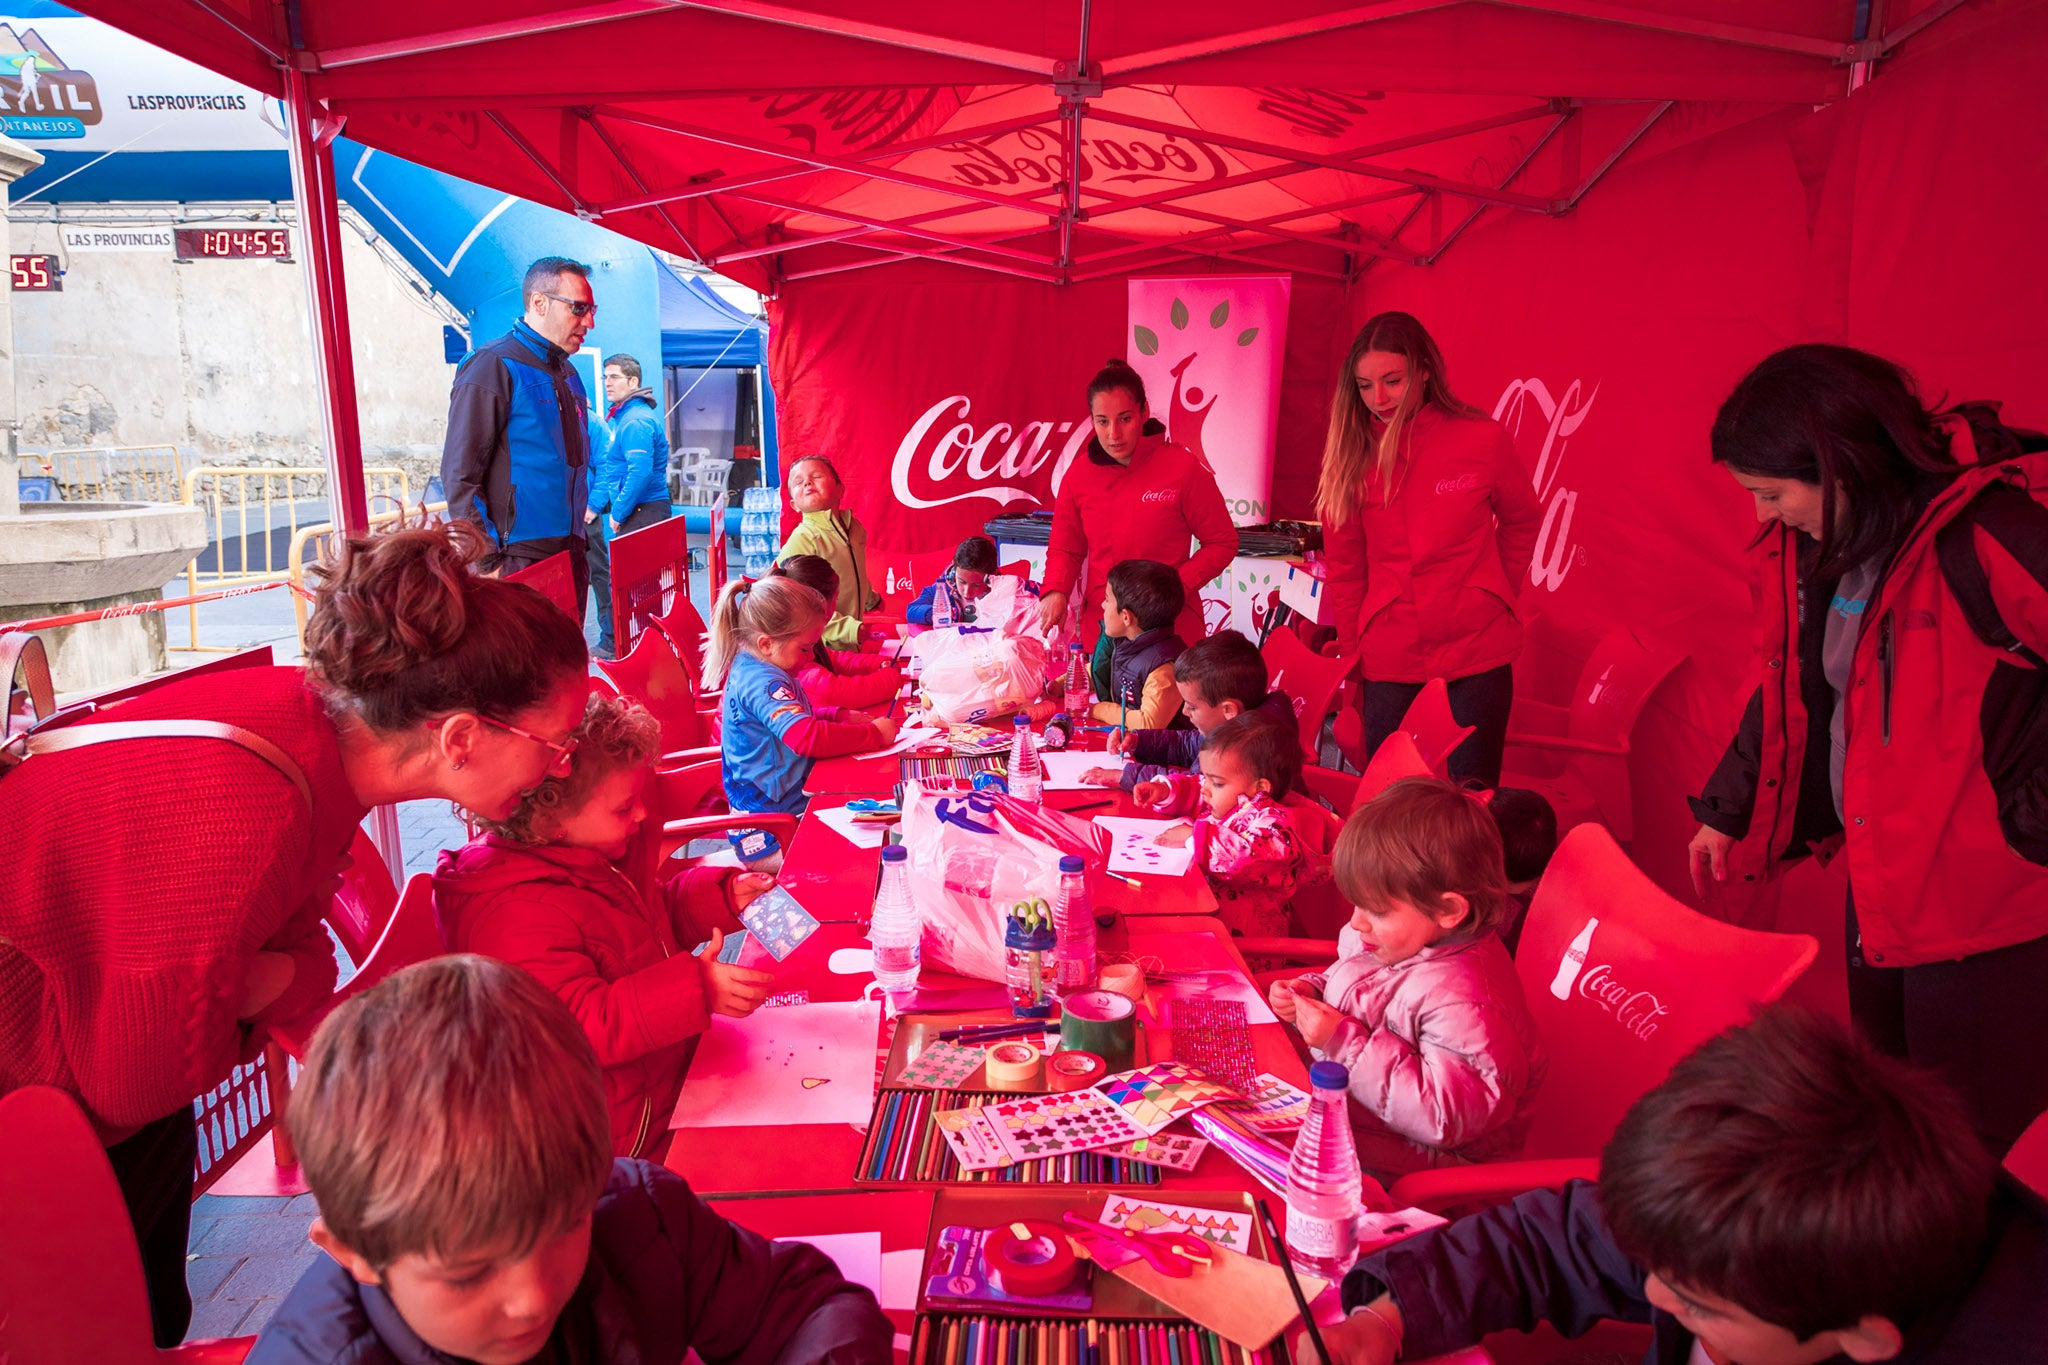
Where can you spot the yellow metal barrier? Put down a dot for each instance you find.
(320, 537)
(117, 473)
(236, 511)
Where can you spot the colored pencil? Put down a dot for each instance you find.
(1308, 1319)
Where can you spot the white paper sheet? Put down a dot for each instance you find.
(909, 735)
(1133, 848)
(901, 1273)
(857, 1254)
(840, 821)
(1063, 769)
(1199, 953)
(799, 1064)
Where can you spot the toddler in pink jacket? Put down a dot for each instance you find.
(1245, 840)
(1423, 1005)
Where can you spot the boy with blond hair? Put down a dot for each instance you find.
(451, 1122)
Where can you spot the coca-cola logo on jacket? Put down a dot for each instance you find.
(944, 458)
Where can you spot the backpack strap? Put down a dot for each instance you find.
(23, 655)
(2019, 524)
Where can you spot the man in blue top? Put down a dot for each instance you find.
(629, 484)
(518, 419)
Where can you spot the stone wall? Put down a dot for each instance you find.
(215, 357)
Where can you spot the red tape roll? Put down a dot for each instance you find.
(1074, 1070)
(1030, 1259)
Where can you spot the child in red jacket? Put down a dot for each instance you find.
(543, 891)
(839, 677)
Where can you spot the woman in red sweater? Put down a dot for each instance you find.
(1429, 523)
(161, 899)
(1136, 496)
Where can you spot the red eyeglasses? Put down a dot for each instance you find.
(562, 750)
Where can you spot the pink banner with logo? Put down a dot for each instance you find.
(1209, 350)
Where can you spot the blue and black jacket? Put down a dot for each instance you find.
(635, 469)
(518, 442)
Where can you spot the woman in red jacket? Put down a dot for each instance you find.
(1429, 523)
(1901, 709)
(161, 898)
(1136, 496)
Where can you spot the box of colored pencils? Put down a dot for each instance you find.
(986, 1339)
(904, 1146)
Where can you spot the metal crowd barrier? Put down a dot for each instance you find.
(310, 545)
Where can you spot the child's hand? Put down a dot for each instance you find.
(1282, 994)
(1123, 741)
(1361, 1339)
(735, 992)
(1316, 1020)
(888, 727)
(749, 887)
(1175, 837)
(1150, 792)
(1102, 777)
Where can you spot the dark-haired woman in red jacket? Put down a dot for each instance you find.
(161, 898)
(1428, 524)
(1901, 708)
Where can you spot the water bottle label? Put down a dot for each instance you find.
(1320, 1237)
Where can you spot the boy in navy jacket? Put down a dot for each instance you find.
(1788, 1197)
(451, 1122)
(1220, 677)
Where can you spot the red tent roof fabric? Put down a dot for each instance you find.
(1057, 141)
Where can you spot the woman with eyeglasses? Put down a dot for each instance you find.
(161, 897)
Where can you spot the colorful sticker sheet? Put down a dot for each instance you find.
(1271, 1105)
(1175, 1151)
(972, 1136)
(908, 1142)
(1224, 1228)
(1154, 1096)
(1215, 1037)
(1031, 1127)
(942, 1066)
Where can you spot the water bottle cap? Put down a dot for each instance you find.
(1070, 863)
(895, 853)
(1329, 1076)
(1023, 721)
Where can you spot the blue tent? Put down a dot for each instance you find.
(700, 330)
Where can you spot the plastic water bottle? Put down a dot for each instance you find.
(942, 607)
(1026, 944)
(1026, 782)
(1077, 678)
(897, 931)
(1322, 1181)
(1074, 963)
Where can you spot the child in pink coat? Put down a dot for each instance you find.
(1245, 840)
(839, 677)
(543, 891)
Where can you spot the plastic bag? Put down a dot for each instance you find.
(973, 672)
(974, 855)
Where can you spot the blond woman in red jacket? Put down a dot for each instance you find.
(160, 900)
(1135, 495)
(1429, 523)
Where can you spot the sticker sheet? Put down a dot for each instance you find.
(779, 922)
(1154, 1096)
(973, 1138)
(1272, 1105)
(1035, 1126)
(942, 1066)
(1174, 1151)
(1233, 1230)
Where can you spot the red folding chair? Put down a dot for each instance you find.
(900, 575)
(684, 628)
(652, 675)
(1429, 722)
(1311, 680)
(1622, 981)
(71, 1285)
(555, 578)
(1318, 909)
(1577, 756)
(1396, 758)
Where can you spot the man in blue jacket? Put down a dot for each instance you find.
(518, 418)
(629, 482)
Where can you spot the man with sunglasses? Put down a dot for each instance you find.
(519, 428)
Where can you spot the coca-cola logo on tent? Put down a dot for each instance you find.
(1527, 403)
(1038, 157)
(1001, 462)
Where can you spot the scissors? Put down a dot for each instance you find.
(1173, 1254)
(1033, 912)
(868, 803)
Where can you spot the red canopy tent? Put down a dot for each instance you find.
(944, 201)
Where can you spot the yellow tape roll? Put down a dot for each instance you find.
(1015, 1066)
(1125, 979)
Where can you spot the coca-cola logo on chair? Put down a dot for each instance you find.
(1637, 1011)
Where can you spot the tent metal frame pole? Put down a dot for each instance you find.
(314, 197)
(604, 135)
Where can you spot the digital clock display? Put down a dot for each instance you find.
(40, 273)
(235, 243)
